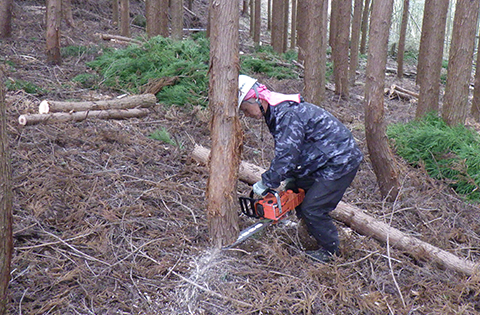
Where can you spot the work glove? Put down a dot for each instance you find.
(260, 189)
(289, 183)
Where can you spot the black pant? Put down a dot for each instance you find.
(321, 197)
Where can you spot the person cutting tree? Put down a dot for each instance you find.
(313, 151)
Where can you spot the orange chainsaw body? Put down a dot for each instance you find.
(274, 206)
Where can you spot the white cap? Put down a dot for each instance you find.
(245, 84)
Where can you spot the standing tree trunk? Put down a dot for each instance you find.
(226, 129)
(365, 15)
(152, 14)
(115, 12)
(476, 93)
(382, 158)
(53, 18)
(286, 11)
(6, 202)
(125, 18)
(176, 7)
(302, 22)
(340, 48)
(315, 51)
(401, 40)
(455, 105)
(355, 41)
(67, 13)
(430, 56)
(6, 18)
(293, 27)
(278, 16)
(257, 25)
(333, 23)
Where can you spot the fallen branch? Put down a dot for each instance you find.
(396, 91)
(366, 225)
(134, 101)
(117, 38)
(33, 119)
(156, 85)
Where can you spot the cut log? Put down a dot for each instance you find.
(396, 91)
(33, 119)
(156, 85)
(367, 225)
(117, 38)
(134, 101)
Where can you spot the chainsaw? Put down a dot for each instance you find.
(271, 209)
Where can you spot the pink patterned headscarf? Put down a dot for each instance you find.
(273, 98)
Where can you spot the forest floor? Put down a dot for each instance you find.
(109, 221)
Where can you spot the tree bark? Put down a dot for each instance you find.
(341, 48)
(430, 56)
(315, 51)
(53, 18)
(355, 40)
(257, 23)
(6, 202)
(67, 13)
(302, 22)
(383, 163)
(365, 23)
(6, 18)
(115, 12)
(401, 40)
(134, 101)
(278, 22)
(476, 92)
(455, 105)
(125, 18)
(293, 23)
(365, 224)
(177, 19)
(33, 119)
(152, 14)
(226, 132)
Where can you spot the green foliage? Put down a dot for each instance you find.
(410, 56)
(162, 135)
(129, 69)
(27, 86)
(448, 153)
(265, 60)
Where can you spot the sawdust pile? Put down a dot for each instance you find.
(110, 221)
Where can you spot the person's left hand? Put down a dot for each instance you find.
(260, 189)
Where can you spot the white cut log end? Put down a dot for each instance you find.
(22, 120)
(43, 108)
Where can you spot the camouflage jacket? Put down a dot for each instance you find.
(309, 142)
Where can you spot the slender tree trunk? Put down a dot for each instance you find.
(152, 14)
(6, 202)
(125, 18)
(293, 27)
(401, 40)
(333, 24)
(269, 15)
(177, 19)
(355, 41)
(225, 126)
(302, 22)
(115, 12)
(365, 15)
(455, 105)
(252, 17)
(382, 158)
(286, 9)
(430, 56)
(54, 17)
(476, 92)
(258, 22)
(6, 18)
(278, 15)
(315, 51)
(341, 47)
